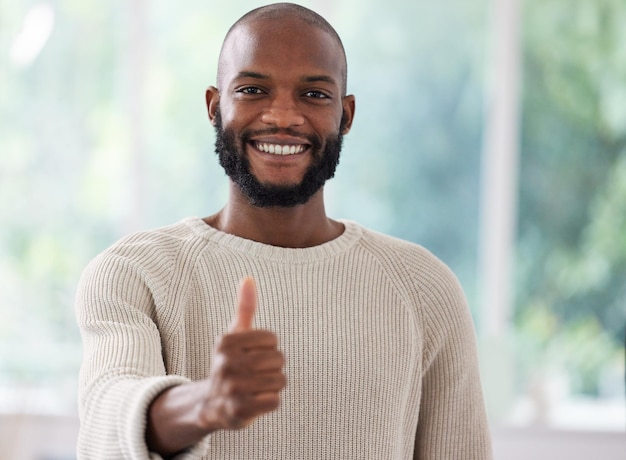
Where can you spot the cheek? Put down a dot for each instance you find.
(238, 118)
(227, 114)
(231, 110)
(328, 123)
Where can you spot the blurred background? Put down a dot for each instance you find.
(493, 132)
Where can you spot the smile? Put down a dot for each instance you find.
(278, 149)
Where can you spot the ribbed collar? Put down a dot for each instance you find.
(351, 235)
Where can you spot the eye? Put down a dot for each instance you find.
(253, 90)
(316, 95)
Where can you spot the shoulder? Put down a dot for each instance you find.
(162, 240)
(414, 259)
(430, 285)
(416, 271)
(152, 254)
(386, 242)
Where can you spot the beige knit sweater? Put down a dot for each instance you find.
(379, 345)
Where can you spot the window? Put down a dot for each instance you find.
(103, 131)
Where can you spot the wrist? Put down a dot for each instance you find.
(175, 420)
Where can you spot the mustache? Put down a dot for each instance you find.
(310, 139)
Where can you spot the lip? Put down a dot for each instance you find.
(279, 150)
(280, 145)
(281, 140)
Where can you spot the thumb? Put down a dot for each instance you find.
(246, 306)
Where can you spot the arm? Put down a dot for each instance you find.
(452, 420)
(123, 370)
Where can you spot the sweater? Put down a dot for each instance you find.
(379, 345)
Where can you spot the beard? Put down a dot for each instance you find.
(232, 157)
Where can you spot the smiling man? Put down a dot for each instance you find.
(269, 330)
(280, 134)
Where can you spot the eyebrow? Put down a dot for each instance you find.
(323, 78)
(250, 74)
(309, 79)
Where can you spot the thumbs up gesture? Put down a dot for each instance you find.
(246, 372)
(244, 383)
(246, 307)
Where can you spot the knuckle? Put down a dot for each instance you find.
(272, 340)
(230, 367)
(232, 421)
(236, 413)
(230, 389)
(272, 403)
(267, 338)
(279, 382)
(228, 364)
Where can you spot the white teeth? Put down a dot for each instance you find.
(278, 149)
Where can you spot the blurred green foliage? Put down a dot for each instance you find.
(571, 279)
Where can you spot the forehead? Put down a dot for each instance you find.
(288, 46)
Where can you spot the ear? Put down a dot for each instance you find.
(212, 99)
(348, 112)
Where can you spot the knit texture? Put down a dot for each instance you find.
(378, 340)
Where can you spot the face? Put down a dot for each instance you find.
(280, 112)
(231, 153)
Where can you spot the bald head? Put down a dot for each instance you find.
(275, 17)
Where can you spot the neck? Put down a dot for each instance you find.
(301, 226)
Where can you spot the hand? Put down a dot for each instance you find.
(244, 383)
(246, 372)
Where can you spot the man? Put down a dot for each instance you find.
(268, 330)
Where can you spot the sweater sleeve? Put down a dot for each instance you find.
(123, 368)
(452, 420)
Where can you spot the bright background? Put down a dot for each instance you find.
(491, 132)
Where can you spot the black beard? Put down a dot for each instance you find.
(234, 161)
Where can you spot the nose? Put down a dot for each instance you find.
(283, 112)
